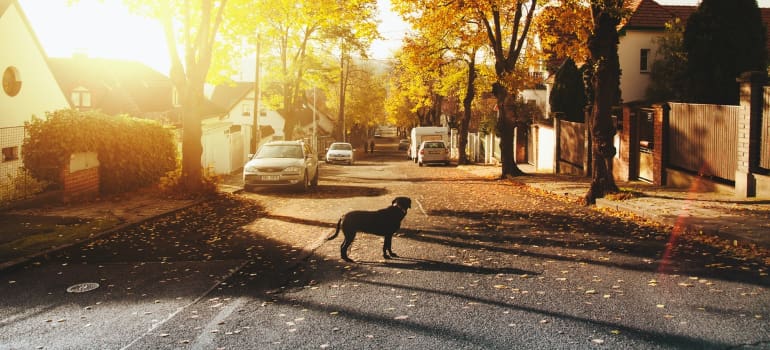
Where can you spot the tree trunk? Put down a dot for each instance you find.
(603, 46)
(192, 149)
(470, 93)
(505, 127)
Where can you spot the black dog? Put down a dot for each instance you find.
(383, 222)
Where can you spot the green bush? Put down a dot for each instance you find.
(132, 152)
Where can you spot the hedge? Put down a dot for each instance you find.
(132, 152)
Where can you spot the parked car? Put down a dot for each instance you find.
(340, 152)
(282, 163)
(403, 145)
(434, 152)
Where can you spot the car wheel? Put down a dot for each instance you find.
(420, 163)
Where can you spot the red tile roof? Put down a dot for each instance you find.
(648, 14)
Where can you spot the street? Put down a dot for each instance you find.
(482, 264)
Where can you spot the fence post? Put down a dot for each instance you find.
(660, 144)
(557, 144)
(749, 132)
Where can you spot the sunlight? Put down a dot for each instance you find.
(98, 29)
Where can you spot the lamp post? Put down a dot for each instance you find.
(256, 134)
(315, 125)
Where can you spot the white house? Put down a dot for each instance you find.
(29, 86)
(638, 45)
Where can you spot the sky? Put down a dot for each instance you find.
(105, 29)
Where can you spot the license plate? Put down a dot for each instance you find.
(270, 177)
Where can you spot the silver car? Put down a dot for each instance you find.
(282, 163)
(340, 152)
(433, 152)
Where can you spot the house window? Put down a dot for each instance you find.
(644, 56)
(10, 153)
(81, 98)
(11, 81)
(175, 97)
(245, 109)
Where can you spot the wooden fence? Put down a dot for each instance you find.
(703, 139)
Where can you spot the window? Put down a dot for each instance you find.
(175, 97)
(81, 98)
(644, 56)
(11, 81)
(10, 153)
(245, 109)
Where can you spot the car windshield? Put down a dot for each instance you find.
(279, 151)
(341, 146)
(434, 145)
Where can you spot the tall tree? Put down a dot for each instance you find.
(723, 39)
(568, 95)
(195, 28)
(605, 79)
(563, 29)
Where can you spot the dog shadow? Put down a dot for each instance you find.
(441, 266)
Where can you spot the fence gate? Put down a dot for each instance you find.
(645, 117)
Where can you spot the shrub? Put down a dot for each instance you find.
(132, 152)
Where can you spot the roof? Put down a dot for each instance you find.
(116, 86)
(648, 14)
(229, 95)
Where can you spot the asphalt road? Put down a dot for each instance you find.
(483, 264)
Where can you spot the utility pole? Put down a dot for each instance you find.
(256, 134)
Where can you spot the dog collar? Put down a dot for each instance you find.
(399, 207)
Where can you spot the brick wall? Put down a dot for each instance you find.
(80, 178)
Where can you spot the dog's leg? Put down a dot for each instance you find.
(386, 248)
(349, 237)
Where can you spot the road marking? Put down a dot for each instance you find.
(182, 308)
(419, 205)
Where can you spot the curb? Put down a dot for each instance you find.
(18, 261)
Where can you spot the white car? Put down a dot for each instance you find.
(433, 152)
(282, 163)
(340, 152)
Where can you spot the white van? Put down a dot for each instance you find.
(426, 133)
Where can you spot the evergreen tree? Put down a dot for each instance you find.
(723, 39)
(668, 77)
(568, 95)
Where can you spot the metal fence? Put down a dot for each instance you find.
(15, 182)
(704, 139)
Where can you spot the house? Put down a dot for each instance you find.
(638, 46)
(29, 87)
(116, 87)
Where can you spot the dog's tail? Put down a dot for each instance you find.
(339, 222)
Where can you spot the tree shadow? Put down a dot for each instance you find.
(440, 266)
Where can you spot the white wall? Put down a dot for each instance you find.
(633, 83)
(39, 90)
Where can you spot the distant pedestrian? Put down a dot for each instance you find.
(371, 146)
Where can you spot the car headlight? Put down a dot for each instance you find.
(293, 169)
(250, 169)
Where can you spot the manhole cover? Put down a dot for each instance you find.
(82, 287)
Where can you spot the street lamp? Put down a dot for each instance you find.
(315, 126)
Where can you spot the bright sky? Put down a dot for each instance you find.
(106, 29)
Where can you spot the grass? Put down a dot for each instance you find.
(28, 239)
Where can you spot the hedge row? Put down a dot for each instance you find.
(132, 152)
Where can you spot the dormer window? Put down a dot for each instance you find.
(81, 98)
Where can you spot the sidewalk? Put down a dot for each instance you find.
(745, 221)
